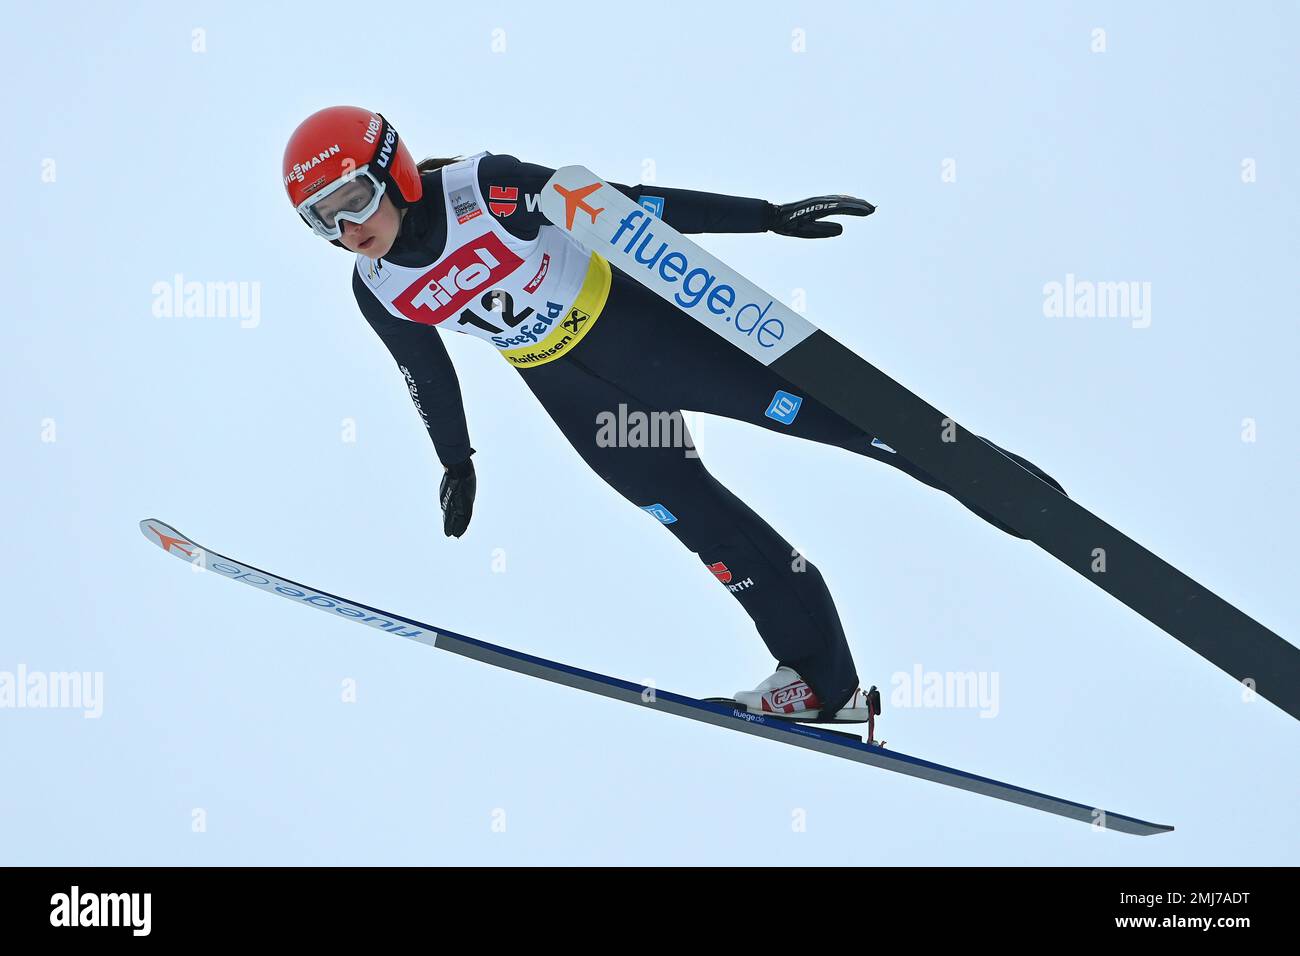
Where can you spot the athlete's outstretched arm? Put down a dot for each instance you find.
(422, 358)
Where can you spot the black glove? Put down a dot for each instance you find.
(800, 218)
(456, 495)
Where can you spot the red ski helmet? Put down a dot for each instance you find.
(340, 142)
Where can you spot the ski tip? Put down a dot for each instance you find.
(168, 538)
(150, 528)
(1141, 827)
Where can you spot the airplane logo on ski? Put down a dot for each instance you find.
(168, 542)
(576, 199)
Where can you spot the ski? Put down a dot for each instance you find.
(638, 242)
(719, 713)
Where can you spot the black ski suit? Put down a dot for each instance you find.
(644, 358)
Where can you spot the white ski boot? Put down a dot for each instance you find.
(786, 694)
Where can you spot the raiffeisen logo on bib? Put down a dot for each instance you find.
(662, 259)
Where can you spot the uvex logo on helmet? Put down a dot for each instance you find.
(386, 150)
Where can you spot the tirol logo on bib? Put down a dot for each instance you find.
(446, 288)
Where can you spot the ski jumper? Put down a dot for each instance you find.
(599, 351)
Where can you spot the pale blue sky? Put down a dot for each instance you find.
(135, 158)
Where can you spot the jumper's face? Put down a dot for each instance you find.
(374, 237)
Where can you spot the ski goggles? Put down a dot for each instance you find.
(353, 197)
